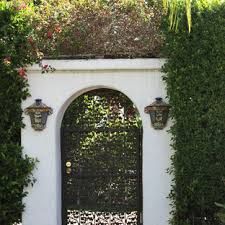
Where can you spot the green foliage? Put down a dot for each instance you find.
(102, 108)
(15, 174)
(221, 213)
(177, 8)
(102, 140)
(195, 87)
(15, 169)
(118, 28)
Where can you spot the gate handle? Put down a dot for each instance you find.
(68, 167)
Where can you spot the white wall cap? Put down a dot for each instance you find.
(101, 64)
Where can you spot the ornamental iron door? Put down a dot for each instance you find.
(101, 137)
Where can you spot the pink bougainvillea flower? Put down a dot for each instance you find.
(58, 29)
(21, 6)
(7, 61)
(22, 72)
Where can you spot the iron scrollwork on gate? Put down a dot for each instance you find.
(101, 160)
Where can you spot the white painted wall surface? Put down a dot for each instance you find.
(141, 81)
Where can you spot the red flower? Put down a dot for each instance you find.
(49, 34)
(22, 72)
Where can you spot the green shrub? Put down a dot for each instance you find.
(15, 174)
(15, 54)
(120, 28)
(195, 82)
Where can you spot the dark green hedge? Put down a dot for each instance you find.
(195, 79)
(15, 168)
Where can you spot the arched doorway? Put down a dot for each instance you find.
(101, 147)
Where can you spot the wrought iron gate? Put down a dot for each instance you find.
(101, 162)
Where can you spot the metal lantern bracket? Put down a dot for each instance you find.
(159, 111)
(38, 113)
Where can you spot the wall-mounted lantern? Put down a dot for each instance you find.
(38, 113)
(159, 112)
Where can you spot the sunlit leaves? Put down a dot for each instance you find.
(102, 138)
(178, 8)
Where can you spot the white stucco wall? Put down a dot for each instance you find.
(141, 81)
